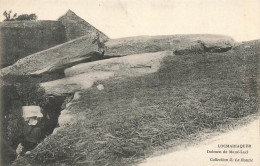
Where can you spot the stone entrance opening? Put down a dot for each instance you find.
(14, 97)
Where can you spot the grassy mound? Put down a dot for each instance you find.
(133, 117)
(21, 38)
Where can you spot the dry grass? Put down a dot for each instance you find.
(132, 118)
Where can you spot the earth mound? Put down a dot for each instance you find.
(21, 38)
(124, 117)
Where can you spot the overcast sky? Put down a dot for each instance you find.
(119, 18)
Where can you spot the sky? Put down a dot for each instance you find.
(239, 19)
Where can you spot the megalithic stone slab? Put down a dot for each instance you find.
(83, 76)
(55, 57)
(144, 44)
(76, 27)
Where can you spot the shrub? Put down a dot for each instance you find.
(8, 16)
(28, 17)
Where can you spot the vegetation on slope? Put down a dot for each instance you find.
(9, 17)
(133, 117)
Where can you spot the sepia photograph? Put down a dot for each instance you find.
(129, 82)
